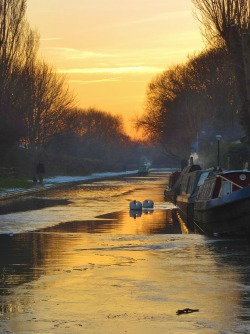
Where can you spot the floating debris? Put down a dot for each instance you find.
(186, 310)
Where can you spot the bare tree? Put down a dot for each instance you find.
(18, 47)
(102, 134)
(49, 101)
(92, 134)
(12, 26)
(211, 74)
(228, 21)
(186, 100)
(164, 111)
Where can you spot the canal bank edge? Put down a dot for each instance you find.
(13, 193)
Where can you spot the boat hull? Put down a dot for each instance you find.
(185, 206)
(169, 196)
(226, 215)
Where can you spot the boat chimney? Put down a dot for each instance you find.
(191, 161)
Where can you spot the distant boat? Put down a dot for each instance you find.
(222, 204)
(143, 170)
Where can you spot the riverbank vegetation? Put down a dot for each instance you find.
(13, 183)
(188, 104)
(185, 106)
(39, 119)
(191, 103)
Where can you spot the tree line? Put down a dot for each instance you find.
(38, 110)
(33, 97)
(188, 104)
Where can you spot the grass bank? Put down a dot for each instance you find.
(10, 183)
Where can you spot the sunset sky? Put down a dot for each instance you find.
(111, 49)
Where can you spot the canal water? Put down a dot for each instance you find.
(76, 260)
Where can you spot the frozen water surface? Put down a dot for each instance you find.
(89, 266)
(85, 202)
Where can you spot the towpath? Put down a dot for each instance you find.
(58, 181)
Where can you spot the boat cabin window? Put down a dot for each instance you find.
(202, 178)
(226, 188)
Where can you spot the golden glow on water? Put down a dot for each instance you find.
(94, 281)
(184, 229)
(112, 273)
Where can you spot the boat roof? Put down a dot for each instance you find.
(235, 171)
(191, 168)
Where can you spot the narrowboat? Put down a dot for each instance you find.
(222, 204)
(182, 190)
(187, 187)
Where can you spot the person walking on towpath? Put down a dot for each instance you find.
(40, 171)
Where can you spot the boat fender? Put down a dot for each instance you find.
(135, 205)
(148, 203)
